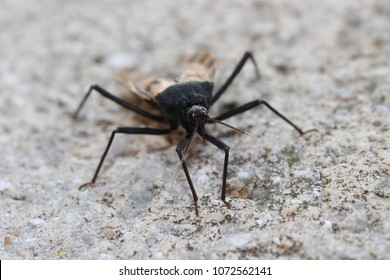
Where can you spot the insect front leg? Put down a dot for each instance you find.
(180, 149)
(225, 148)
(250, 105)
(117, 100)
(236, 71)
(124, 130)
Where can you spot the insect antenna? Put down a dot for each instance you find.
(210, 120)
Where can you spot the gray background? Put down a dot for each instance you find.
(324, 64)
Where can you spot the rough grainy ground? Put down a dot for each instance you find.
(322, 196)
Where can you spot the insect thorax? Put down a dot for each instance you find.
(181, 103)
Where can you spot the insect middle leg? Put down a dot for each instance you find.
(124, 130)
(250, 105)
(236, 71)
(117, 100)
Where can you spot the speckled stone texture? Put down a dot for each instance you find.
(326, 195)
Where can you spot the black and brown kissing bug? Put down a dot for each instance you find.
(183, 97)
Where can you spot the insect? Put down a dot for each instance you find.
(183, 97)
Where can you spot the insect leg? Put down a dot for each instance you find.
(179, 149)
(117, 100)
(225, 148)
(255, 103)
(237, 70)
(125, 130)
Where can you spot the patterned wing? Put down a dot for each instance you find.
(200, 66)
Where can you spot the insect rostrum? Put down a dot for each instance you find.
(183, 97)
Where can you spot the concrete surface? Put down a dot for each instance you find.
(326, 195)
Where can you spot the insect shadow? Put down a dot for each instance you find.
(183, 97)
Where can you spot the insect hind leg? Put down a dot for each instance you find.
(117, 100)
(247, 55)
